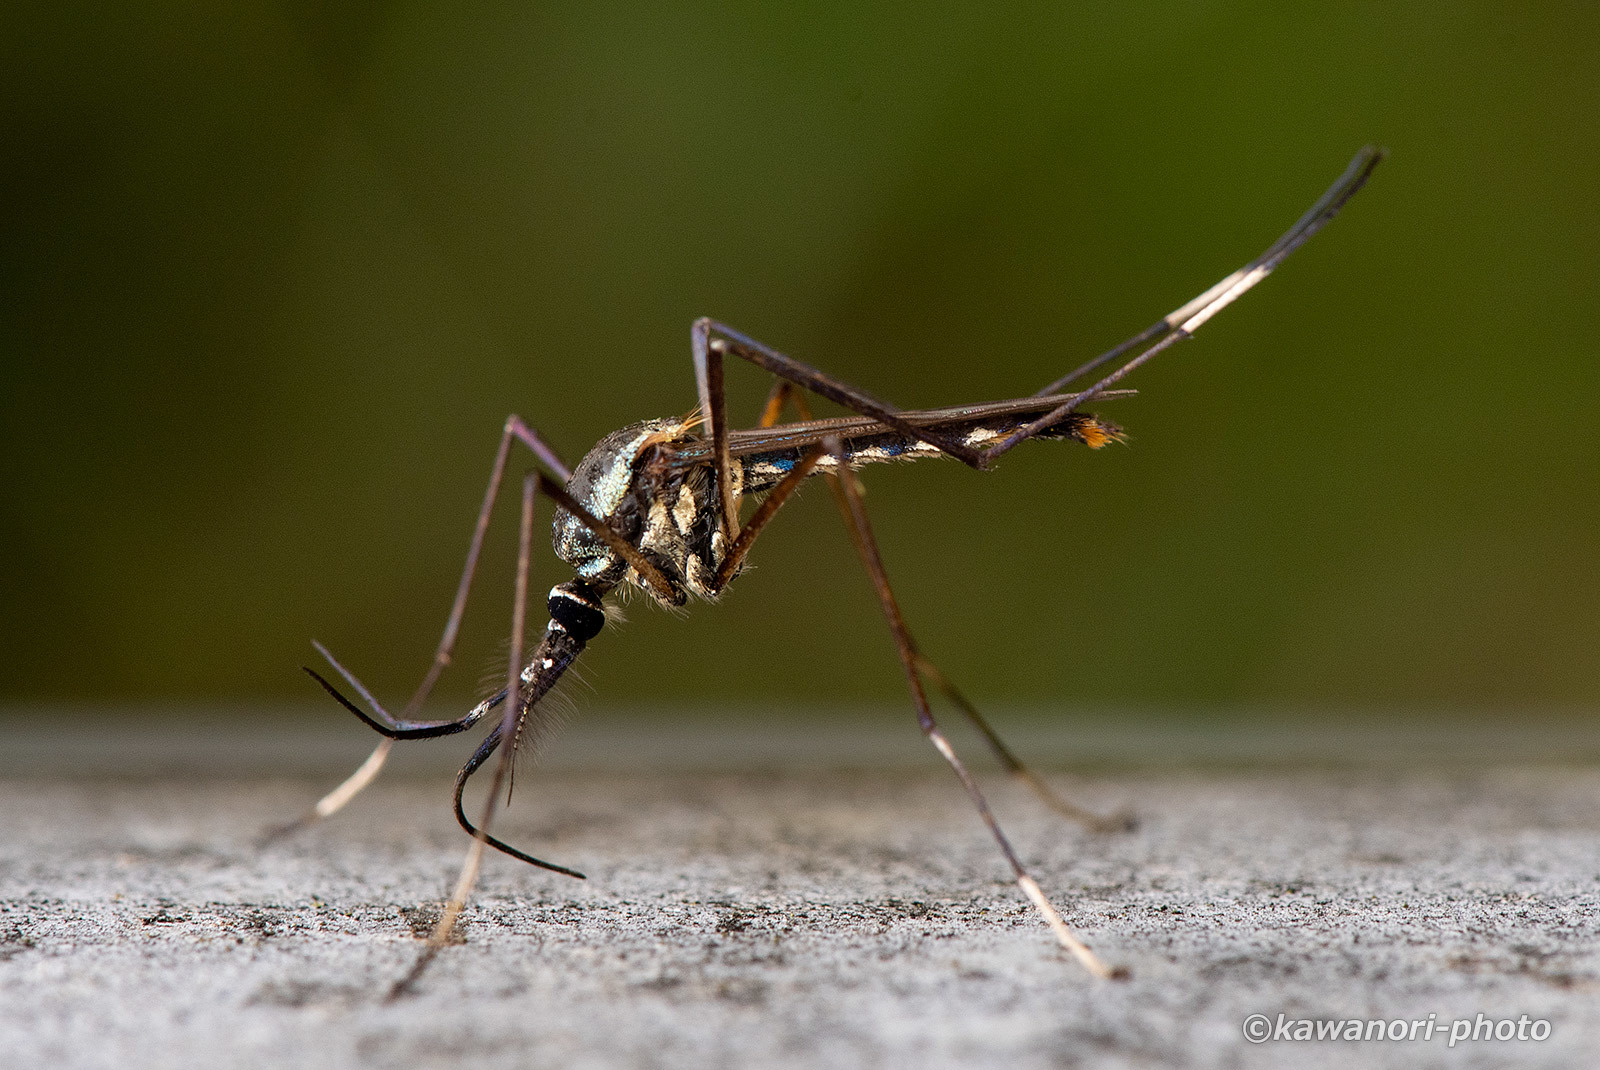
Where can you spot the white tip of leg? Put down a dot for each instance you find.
(334, 801)
(1065, 935)
(458, 898)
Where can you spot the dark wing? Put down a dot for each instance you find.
(808, 432)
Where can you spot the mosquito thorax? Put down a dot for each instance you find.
(603, 483)
(670, 516)
(576, 607)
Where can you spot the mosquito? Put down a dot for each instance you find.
(657, 507)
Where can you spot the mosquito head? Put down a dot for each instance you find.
(576, 609)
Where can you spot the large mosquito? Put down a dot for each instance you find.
(657, 507)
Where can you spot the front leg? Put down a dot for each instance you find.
(404, 727)
(509, 728)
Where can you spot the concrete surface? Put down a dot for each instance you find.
(753, 902)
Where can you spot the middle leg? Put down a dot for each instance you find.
(906, 648)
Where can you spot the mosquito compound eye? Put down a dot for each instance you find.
(577, 610)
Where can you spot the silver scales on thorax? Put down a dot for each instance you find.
(672, 516)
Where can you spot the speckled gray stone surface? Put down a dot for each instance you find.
(826, 913)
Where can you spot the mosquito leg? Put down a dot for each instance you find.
(908, 660)
(1183, 322)
(508, 729)
(710, 340)
(1313, 220)
(1118, 822)
(515, 430)
(521, 432)
(624, 549)
(708, 369)
(763, 514)
(713, 402)
(784, 391)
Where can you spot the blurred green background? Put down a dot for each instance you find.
(272, 275)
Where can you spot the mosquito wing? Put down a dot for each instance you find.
(809, 432)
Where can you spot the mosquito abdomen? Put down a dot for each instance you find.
(762, 470)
